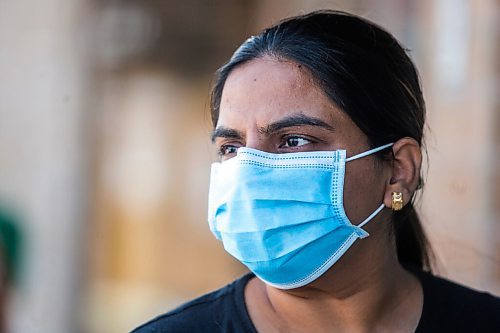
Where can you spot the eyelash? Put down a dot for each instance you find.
(286, 138)
(222, 149)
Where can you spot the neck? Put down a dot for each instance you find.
(363, 298)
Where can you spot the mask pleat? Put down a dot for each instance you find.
(265, 215)
(292, 270)
(272, 244)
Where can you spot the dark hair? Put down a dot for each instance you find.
(365, 71)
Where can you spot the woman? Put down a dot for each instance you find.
(319, 123)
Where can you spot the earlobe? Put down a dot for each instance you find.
(405, 170)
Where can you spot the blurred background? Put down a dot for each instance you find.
(105, 152)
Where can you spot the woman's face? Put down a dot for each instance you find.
(275, 106)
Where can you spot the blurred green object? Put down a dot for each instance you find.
(10, 244)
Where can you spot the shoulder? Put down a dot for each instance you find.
(219, 310)
(447, 291)
(452, 306)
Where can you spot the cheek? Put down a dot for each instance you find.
(363, 190)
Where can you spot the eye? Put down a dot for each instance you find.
(225, 150)
(295, 141)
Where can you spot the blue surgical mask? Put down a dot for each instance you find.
(282, 215)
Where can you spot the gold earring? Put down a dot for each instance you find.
(397, 201)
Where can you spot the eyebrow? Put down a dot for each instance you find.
(225, 132)
(296, 120)
(290, 121)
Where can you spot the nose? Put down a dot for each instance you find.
(260, 142)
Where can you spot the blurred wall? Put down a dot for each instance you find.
(43, 156)
(460, 202)
(105, 152)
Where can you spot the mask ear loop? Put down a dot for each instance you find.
(372, 215)
(368, 152)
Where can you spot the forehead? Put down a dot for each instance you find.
(269, 71)
(267, 88)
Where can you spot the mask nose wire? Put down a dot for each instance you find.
(368, 152)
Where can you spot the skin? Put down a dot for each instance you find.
(274, 105)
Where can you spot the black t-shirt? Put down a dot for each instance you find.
(448, 307)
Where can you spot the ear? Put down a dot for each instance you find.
(405, 170)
